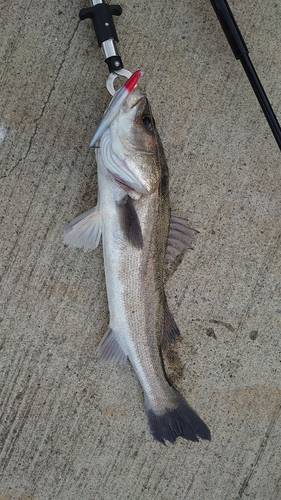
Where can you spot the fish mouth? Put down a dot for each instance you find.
(128, 186)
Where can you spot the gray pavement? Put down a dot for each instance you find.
(71, 429)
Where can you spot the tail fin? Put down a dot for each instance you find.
(180, 421)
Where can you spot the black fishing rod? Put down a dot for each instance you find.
(241, 52)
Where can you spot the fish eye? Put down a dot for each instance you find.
(148, 122)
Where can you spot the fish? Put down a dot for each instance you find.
(139, 234)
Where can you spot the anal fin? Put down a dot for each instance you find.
(84, 231)
(109, 349)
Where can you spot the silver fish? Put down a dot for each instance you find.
(138, 233)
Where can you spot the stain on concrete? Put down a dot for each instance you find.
(16, 496)
(172, 360)
(228, 326)
(211, 333)
(253, 334)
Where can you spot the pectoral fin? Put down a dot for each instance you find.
(109, 350)
(129, 222)
(179, 239)
(84, 231)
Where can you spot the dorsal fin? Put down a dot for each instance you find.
(180, 238)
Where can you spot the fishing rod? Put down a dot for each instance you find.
(241, 52)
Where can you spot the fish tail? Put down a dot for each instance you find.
(179, 421)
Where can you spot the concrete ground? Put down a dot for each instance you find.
(71, 429)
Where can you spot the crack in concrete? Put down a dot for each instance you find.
(260, 453)
(267, 261)
(37, 120)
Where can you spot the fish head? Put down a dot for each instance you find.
(136, 144)
(136, 118)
